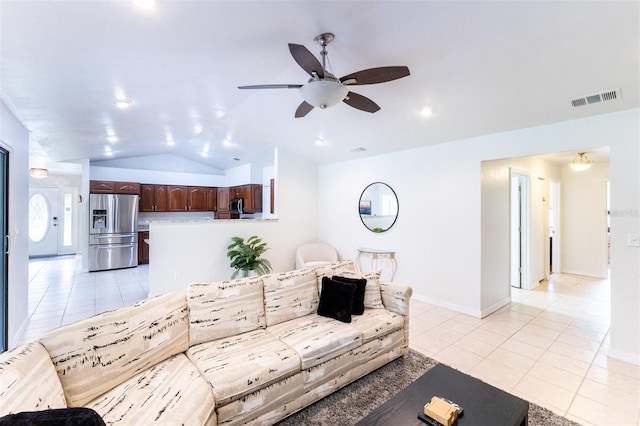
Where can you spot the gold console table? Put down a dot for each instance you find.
(374, 255)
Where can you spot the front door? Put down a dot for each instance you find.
(43, 221)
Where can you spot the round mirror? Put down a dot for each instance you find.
(378, 207)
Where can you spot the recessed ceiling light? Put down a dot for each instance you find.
(204, 154)
(123, 103)
(112, 139)
(145, 4)
(227, 142)
(427, 111)
(320, 142)
(170, 142)
(197, 129)
(107, 151)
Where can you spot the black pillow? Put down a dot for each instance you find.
(358, 297)
(336, 299)
(77, 416)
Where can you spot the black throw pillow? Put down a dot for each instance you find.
(358, 297)
(77, 416)
(336, 299)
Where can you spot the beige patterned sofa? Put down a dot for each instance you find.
(249, 351)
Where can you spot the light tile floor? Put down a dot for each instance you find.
(548, 346)
(60, 293)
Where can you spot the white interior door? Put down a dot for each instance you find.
(43, 221)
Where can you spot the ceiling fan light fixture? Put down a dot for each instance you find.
(323, 94)
(581, 162)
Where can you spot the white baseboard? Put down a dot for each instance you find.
(463, 309)
(451, 306)
(593, 274)
(491, 309)
(624, 356)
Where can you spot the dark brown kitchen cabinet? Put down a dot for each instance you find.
(212, 199)
(223, 204)
(128, 188)
(177, 198)
(153, 198)
(110, 187)
(143, 248)
(236, 192)
(197, 198)
(102, 187)
(252, 198)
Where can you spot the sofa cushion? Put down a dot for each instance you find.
(171, 392)
(317, 339)
(330, 270)
(238, 365)
(358, 296)
(377, 322)
(29, 380)
(372, 296)
(221, 309)
(336, 299)
(289, 295)
(94, 355)
(76, 416)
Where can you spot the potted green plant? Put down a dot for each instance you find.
(245, 256)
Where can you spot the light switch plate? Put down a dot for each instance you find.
(633, 240)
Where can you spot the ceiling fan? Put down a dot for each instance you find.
(324, 89)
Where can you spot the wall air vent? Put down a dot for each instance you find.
(609, 95)
(358, 149)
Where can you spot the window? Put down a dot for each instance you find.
(38, 217)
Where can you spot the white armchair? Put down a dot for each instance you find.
(315, 254)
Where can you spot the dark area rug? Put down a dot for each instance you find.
(353, 402)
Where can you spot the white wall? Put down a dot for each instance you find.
(185, 252)
(15, 138)
(584, 221)
(155, 176)
(437, 237)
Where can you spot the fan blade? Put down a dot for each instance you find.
(272, 86)
(361, 102)
(303, 109)
(375, 75)
(306, 60)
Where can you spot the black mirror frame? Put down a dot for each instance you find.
(397, 204)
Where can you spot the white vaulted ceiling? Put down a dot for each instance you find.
(484, 66)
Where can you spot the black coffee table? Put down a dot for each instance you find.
(483, 404)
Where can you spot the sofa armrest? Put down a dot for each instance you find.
(395, 297)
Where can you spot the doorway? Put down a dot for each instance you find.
(519, 230)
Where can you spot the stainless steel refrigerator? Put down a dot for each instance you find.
(113, 234)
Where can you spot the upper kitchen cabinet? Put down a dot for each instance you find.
(153, 198)
(102, 187)
(177, 198)
(222, 210)
(109, 187)
(128, 188)
(252, 198)
(197, 198)
(212, 199)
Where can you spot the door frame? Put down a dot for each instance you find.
(553, 263)
(522, 244)
(6, 247)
